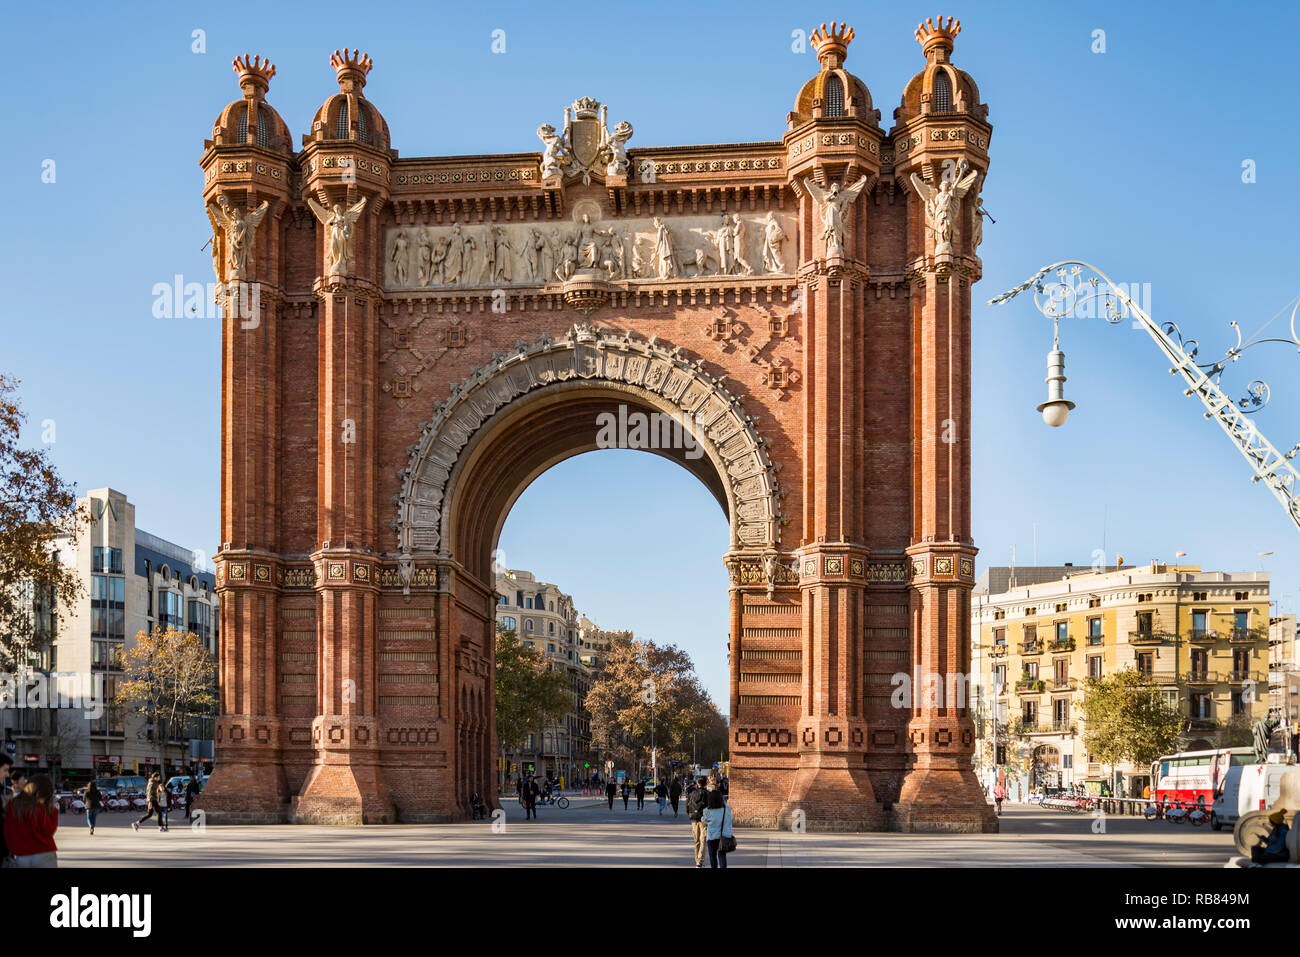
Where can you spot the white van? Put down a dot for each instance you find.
(1247, 787)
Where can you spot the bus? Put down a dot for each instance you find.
(1193, 777)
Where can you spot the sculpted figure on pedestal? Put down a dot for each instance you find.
(400, 261)
(339, 222)
(738, 244)
(240, 229)
(941, 204)
(553, 154)
(831, 206)
(616, 143)
(664, 262)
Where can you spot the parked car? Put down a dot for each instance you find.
(1247, 787)
(124, 783)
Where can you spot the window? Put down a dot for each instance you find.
(1239, 705)
(107, 607)
(1241, 621)
(506, 623)
(263, 129)
(341, 128)
(550, 647)
(1202, 706)
(169, 610)
(502, 600)
(1146, 662)
(1094, 666)
(550, 627)
(1240, 664)
(1061, 606)
(999, 614)
(1061, 712)
(106, 560)
(1094, 602)
(528, 624)
(1031, 669)
(519, 599)
(1241, 596)
(834, 96)
(1094, 631)
(1000, 637)
(1200, 663)
(1200, 596)
(1198, 622)
(551, 606)
(1147, 597)
(1000, 677)
(942, 98)
(1029, 714)
(1144, 622)
(528, 602)
(1062, 630)
(1061, 671)
(1030, 612)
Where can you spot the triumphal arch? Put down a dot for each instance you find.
(409, 341)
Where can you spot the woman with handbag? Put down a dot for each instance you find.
(718, 820)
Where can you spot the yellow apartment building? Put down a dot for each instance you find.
(1039, 633)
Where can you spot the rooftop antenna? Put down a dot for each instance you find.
(1012, 582)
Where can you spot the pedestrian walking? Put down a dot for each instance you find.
(611, 791)
(696, 801)
(717, 822)
(675, 793)
(626, 790)
(94, 801)
(640, 794)
(155, 803)
(999, 793)
(528, 797)
(192, 790)
(661, 795)
(30, 822)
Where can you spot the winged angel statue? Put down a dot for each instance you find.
(941, 204)
(340, 222)
(833, 203)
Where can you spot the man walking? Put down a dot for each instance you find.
(156, 800)
(528, 797)
(611, 790)
(675, 793)
(696, 800)
(640, 794)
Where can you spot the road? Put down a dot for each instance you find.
(588, 834)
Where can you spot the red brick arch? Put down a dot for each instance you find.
(383, 407)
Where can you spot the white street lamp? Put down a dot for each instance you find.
(1057, 407)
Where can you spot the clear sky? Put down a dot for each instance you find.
(1131, 159)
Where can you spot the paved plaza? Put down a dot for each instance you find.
(588, 834)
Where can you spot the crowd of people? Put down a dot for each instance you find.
(706, 807)
(29, 812)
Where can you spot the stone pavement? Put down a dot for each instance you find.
(587, 834)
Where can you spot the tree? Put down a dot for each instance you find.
(640, 682)
(36, 508)
(1128, 719)
(170, 677)
(529, 694)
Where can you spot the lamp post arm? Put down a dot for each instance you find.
(1270, 466)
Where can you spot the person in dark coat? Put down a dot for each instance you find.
(611, 790)
(192, 790)
(696, 800)
(675, 793)
(94, 802)
(626, 789)
(640, 794)
(528, 797)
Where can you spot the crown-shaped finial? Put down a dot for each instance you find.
(940, 35)
(351, 68)
(833, 42)
(254, 74)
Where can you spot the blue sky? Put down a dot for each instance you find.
(1131, 159)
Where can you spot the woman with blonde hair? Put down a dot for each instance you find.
(30, 822)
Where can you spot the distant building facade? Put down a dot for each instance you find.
(133, 581)
(1203, 637)
(544, 618)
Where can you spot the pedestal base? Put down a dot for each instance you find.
(943, 800)
(341, 793)
(831, 799)
(244, 793)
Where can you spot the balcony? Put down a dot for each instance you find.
(1064, 684)
(1200, 676)
(1198, 635)
(998, 651)
(1034, 647)
(1145, 637)
(1247, 635)
(1061, 644)
(1029, 686)
(1236, 677)
(1201, 724)
(1095, 639)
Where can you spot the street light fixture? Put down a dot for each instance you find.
(1059, 299)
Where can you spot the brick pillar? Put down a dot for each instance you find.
(346, 784)
(831, 786)
(248, 785)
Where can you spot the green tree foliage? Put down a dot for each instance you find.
(36, 507)
(1128, 719)
(530, 696)
(170, 677)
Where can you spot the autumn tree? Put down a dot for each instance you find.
(640, 682)
(170, 677)
(1128, 718)
(38, 516)
(529, 694)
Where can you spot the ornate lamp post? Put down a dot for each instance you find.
(1074, 287)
